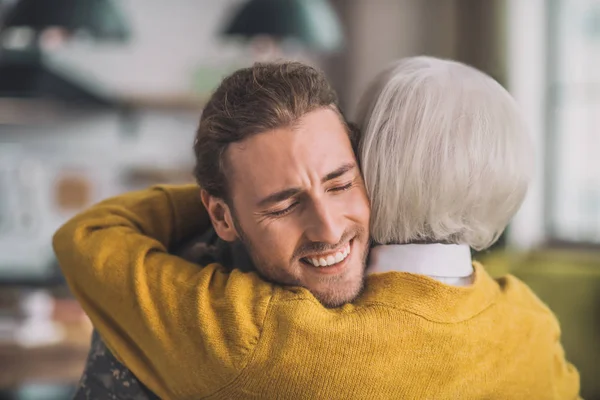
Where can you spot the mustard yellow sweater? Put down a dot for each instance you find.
(203, 333)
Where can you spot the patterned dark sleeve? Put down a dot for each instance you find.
(106, 378)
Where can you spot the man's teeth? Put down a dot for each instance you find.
(331, 259)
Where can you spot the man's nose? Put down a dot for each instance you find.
(323, 224)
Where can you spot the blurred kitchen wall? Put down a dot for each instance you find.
(380, 31)
(169, 41)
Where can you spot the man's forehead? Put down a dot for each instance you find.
(263, 178)
(318, 144)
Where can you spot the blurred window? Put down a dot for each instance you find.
(573, 121)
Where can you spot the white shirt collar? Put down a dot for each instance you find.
(434, 260)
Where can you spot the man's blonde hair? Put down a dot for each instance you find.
(445, 154)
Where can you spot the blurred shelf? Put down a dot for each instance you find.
(46, 112)
(60, 363)
(167, 102)
(40, 112)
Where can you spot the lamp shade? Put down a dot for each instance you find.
(312, 22)
(102, 19)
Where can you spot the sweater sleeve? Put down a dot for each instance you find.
(565, 376)
(563, 379)
(182, 329)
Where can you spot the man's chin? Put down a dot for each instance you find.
(336, 290)
(336, 301)
(334, 297)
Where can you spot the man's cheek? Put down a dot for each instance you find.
(358, 206)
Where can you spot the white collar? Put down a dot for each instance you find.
(435, 260)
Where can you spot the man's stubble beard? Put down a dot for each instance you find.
(328, 299)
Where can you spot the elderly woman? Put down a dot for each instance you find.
(446, 162)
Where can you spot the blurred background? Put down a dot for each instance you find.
(98, 97)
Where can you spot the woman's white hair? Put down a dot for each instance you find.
(445, 154)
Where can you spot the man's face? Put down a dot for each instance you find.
(300, 206)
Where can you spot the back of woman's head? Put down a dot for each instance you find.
(445, 154)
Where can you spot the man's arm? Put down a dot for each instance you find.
(159, 314)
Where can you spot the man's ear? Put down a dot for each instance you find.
(220, 215)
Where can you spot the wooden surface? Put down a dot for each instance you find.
(60, 363)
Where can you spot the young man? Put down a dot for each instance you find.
(215, 333)
(278, 171)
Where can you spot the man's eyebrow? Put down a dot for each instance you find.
(338, 172)
(291, 192)
(279, 196)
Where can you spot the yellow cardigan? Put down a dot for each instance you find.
(190, 333)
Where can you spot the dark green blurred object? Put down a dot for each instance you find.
(101, 19)
(312, 22)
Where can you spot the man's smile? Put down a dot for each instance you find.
(328, 259)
